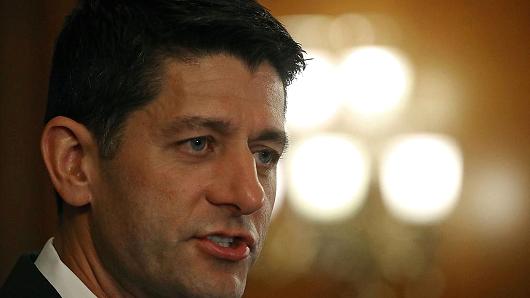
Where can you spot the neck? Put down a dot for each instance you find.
(75, 247)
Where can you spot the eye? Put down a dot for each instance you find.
(198, 144)
(266, 157)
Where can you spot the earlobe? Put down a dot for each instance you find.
(67, 148)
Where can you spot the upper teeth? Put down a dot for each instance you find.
(222, 241)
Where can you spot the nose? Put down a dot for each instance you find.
(236, 184)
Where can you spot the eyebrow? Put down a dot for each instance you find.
(223, 127)
(197, 122)
(276, 136)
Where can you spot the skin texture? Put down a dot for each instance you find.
(199, 159)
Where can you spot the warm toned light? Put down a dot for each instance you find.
(280, 189)
(349, 29)
(421, 177)
(375, 81)
(329, 175)
(331, 32)
(312, 98)
(498, 198)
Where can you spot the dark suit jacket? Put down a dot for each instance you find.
(26, 281)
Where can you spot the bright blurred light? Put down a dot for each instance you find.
(312, 98)
(280, 189)
(329, 177)
(421, 177)
(375, 80)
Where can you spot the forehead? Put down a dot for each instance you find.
(222, 86)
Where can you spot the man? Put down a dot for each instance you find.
(164, 124)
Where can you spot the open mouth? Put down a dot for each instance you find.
(224, 241)
(229, 248)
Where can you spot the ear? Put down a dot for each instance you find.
(69, 152)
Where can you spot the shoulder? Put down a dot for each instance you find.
(25, 280)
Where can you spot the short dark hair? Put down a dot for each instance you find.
(108, 56)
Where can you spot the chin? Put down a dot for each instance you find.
(208, 290)
(218, 291)
(212, 285)
(223, 289)
(231, 287)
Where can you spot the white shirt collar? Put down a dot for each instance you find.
(65, 282)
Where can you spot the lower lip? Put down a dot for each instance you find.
(232, 253)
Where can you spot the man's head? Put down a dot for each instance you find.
(164, 126)
(108, 57)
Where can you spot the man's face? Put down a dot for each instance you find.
(184, 206)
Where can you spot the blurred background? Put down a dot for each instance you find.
(409, 169)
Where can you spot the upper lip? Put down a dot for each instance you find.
(241, 235)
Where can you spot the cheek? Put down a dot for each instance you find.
(164, 197)
(138, 199)
(263, 216)
(142, 217)
(269, 187)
